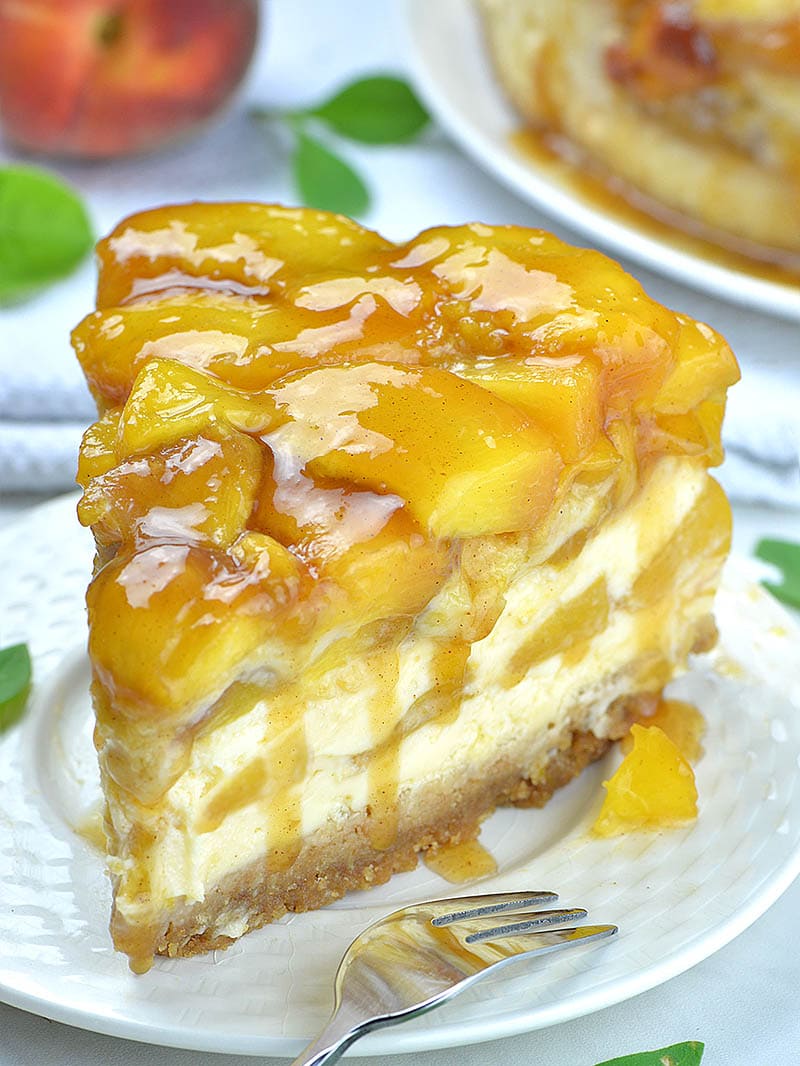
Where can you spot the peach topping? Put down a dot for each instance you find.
(653, 788)
(302, 422)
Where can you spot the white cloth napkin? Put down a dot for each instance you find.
(44, 404)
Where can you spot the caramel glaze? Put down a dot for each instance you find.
(304, 430)
(565, 164)
(466, 860)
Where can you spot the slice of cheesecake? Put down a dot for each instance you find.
(386, 536)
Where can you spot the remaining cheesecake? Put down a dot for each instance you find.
(387, 535)
(687, 108)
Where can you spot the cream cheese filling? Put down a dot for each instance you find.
(339, 726)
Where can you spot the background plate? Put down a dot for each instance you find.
(677, 896)
(453, 73)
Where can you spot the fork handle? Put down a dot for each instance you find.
(332, 1042)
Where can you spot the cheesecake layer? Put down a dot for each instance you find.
(363, 744)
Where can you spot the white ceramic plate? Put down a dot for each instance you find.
(676, 896)
(452, 71)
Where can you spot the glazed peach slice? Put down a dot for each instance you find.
(562, 395)
(198, 329)
(686, 413)
(513, 291)
(170, 402)
(394, 574)
(704, 367)
(243, 342)
(695, 432)
(465, 462)
(240, 247)
(364, 544)
(155, 668)
(200, 490)
(682, 722)
(98, 452)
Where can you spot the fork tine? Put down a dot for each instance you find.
(545, 941)
(528, 923)
(554, 939)
(490, 904)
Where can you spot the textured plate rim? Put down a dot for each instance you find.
(492, 152)
(449, 1035)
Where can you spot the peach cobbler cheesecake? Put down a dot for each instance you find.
(689, 109)
(386, 534)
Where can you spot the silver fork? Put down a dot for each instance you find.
(418, 957)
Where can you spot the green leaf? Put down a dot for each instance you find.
(688, 1054)
(786, 557)
(44, 231)
(326, 181)
(375, 110)
(15, 683)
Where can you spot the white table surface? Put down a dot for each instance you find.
(744, 1002)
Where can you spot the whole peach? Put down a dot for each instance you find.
(104, 78)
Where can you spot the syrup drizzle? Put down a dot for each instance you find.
(384, 767)
(286, 759)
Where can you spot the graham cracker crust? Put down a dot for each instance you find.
(341, 858)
